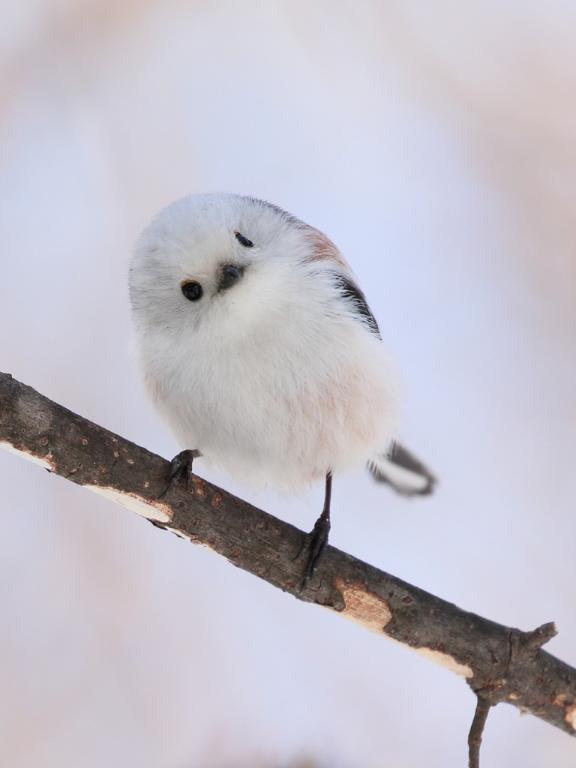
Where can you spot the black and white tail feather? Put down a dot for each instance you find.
(403, 472)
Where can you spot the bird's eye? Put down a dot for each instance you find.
(192, 290)
(243, 240)
(230, 275)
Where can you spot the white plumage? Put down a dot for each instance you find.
(279, 377)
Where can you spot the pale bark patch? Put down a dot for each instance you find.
(364, 607)
(150, 510)
(447, 661)
(42, 462)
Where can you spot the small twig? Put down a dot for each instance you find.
(483, 707)
(523, 646)
(541, 635)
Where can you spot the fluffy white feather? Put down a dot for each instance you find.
(278, 379)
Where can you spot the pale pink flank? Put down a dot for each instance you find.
(324, 249)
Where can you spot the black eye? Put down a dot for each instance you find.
(192, 290)
(230, 275)
(243, 240)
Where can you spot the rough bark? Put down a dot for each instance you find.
(501, 664)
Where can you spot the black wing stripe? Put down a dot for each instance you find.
(349, 290)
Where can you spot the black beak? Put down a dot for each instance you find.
(229, 276)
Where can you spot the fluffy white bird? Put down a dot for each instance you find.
(260, 350)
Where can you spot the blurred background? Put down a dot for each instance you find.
(436, 145)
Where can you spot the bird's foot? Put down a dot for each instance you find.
(180, 469)
(316, 542)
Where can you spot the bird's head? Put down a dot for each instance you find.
(221, 263)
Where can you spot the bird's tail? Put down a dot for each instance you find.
(400, 469)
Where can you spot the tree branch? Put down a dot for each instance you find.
(499, 663)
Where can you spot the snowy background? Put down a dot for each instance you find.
(436, 145)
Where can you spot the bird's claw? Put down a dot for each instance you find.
(316, 541)
(180, 469)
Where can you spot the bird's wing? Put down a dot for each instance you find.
(403, 471)
(350, 291)
(398, 467)
(323, 249)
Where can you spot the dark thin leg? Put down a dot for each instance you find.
(318, 537)
(180, 469)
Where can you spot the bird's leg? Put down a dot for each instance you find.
(318, 537)
(180, 469)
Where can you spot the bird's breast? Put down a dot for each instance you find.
(281, 408)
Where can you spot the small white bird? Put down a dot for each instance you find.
(261, 352)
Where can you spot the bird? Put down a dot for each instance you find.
(260, 351)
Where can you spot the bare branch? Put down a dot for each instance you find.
(500, 664)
